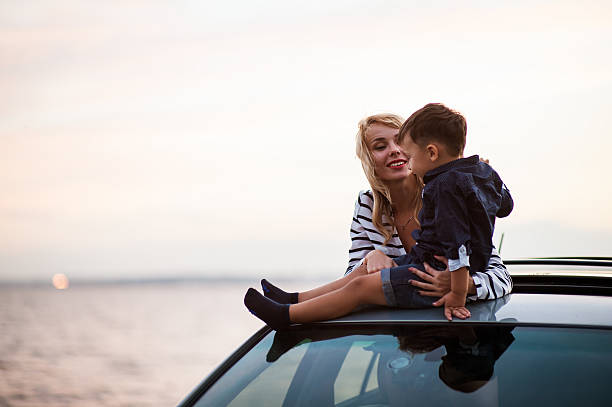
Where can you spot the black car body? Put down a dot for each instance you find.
(547, 343)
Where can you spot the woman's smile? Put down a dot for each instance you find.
(397, 164)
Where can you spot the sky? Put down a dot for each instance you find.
(217, 139)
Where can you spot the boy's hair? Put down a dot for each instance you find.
(418, 339)
(435, 122)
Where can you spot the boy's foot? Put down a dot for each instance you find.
(275, 315)
(278, 295)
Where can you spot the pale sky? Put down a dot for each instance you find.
(200, 138)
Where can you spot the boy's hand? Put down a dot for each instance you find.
(377, 260)
(454, 306)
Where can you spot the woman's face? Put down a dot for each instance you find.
(390, 162)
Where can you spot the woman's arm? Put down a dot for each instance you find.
(494, 282)
(366, 241)
(360, 242)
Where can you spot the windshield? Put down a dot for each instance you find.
(421, 365)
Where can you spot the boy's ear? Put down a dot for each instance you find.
(432, 152)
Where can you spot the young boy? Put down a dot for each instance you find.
(461, 198)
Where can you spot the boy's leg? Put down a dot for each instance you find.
(274, 293)
(334, 285)
(272, 313)
(283, 297)
(399, 290)
(365, 289)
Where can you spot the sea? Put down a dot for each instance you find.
(118, 344)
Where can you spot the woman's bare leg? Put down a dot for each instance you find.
(334, 285)
(364, 289)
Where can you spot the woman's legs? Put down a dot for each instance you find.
(364, 289)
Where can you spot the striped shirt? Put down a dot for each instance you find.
(493, 283)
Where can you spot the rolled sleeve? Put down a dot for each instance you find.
(462, 261)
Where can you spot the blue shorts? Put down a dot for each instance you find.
(398, 290)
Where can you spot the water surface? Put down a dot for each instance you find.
(116, 344)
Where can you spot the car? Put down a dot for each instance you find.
(547, 343)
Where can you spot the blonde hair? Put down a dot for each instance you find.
(382, 197)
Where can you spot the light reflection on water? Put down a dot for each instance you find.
(110, 345)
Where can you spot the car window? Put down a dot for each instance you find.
(460, 365)
(358, 371)
(255, 382)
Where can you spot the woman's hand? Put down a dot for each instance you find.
(377, 260)
(437, 283)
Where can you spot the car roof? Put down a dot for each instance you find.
(561, 291)
(561, 266)
(518, 308)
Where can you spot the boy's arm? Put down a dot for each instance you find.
(452, 223)
(507, 203)
(459, 282)
(452, 226)
(454, 300)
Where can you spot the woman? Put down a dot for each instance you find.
(386, 216)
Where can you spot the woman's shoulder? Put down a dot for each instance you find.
(366, 197)
(364, 202)
(367, 193)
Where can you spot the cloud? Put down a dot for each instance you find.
(129, 126)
